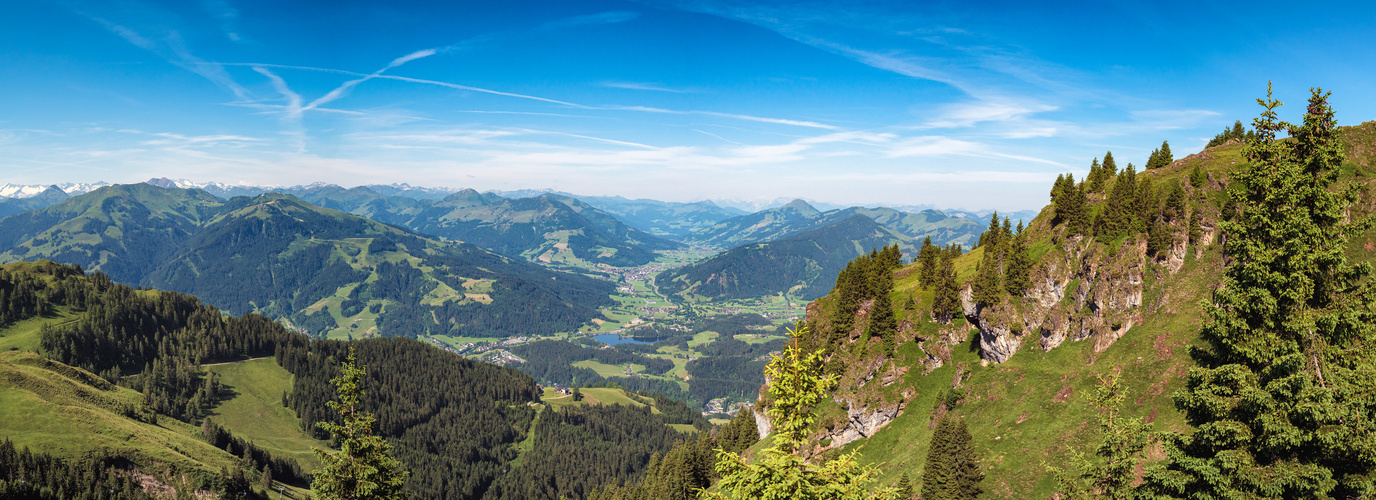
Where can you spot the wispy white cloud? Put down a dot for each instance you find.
(348, 86)
(932, 146)
(410, 80)
(610, 17)
(655, 87)
(166, 43)
(761, 119)
(967, 114)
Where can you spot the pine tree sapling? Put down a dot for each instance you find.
(798, 383)
(1119, 452)
(946, 296)
(364, 467)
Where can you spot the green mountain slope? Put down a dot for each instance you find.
(1019, 371)
(541, 229)
(49, 197)
(330, 271)
(803, 265)
(124, 231)
(465, 429)
(660, 218)
(798, 216)
(764, 225)
(323, 270)
(548, 229)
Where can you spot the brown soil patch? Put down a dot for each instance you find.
(1063, 395)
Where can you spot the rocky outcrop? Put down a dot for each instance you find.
(1080, 290)
(762, 423)
(862, 423)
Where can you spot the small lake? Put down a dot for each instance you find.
(614, 339)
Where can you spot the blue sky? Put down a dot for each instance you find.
(952, 104)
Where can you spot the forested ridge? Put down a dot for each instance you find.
(454, 423)
(279, 256)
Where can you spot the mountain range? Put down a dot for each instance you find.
(803, 265)
(320, 269)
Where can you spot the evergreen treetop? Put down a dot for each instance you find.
(363, 468)
(1280, 400)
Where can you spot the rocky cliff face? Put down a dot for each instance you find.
(861, 422)
(1080, 291)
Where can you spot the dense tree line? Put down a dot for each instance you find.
(28, 475)
(952, 468)
(453, 422)
(868, 277)
(1235, 133)
(936, 272)
(1133, 205)
(1005, 265)
(279, 469)
(688, 467)
(547, 357)
(577, 448)
(24, 295)
(161, 338)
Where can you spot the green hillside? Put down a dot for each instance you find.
(1019, 370)
(798, 216)
(547, 229)
(124, 231)
(165, 392)
(325, 271)
(802, 266)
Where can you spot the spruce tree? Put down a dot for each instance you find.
(952, 469)
(904, 488)
(987, 288)
(1017, 274)
(1147, 207)
(363, 468)
(927, 258)
(1077, 211)
(990, 237)
(1165, 158)
(946, 295)
(1110, 167)
(1197, 177)
(936, 472)
(1281, 398)
(883, 325)
(1118, 215)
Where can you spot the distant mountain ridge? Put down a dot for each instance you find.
(803, 265)
(48, 197)
(798, 216)
(549, 229)
(321, 269)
